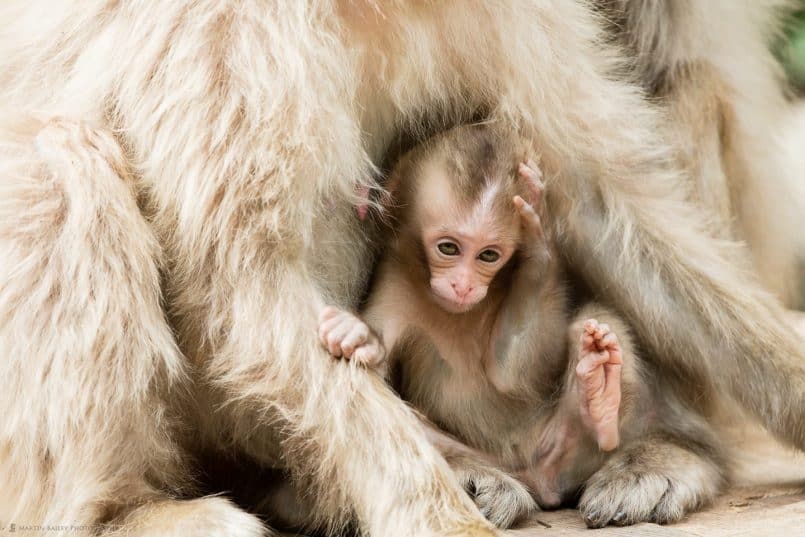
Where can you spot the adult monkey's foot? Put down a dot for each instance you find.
(654, 480)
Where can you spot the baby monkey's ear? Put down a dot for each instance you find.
(392, 186)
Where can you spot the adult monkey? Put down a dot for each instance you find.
(243, 128)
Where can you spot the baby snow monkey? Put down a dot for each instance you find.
(469, 319)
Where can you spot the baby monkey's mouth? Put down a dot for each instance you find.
(451, 305)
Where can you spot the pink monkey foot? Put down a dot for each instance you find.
(598, 376)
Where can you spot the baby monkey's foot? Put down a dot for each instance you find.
(598, 376)
(345, 336)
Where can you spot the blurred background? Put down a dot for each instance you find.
(792, 49)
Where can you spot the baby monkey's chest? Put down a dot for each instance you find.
(446, 379)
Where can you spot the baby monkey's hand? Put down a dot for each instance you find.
(345, 336)
(528, 209)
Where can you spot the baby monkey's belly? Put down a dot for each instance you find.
(539, 442)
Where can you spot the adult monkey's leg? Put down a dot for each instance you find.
(702, 315)
(248, 142)
(353, 443)
(705, 320)
(87, 359)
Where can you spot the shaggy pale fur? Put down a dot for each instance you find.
(177, 180)
(710, 63)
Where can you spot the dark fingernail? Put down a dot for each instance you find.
(592, 520)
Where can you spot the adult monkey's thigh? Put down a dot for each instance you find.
(87, 358)
(241, 124)
(251, 151)
(709, 64)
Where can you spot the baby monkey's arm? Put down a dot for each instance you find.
(534, 309)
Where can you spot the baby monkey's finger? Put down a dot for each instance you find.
(326, 326)
(609, 340)
(337, 333)
(533, 180)
(531, 170)
(528, 214)
(354, 339)
(603, 330)
(370, 355)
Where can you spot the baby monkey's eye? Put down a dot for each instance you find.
(448, 248)
(489, 256)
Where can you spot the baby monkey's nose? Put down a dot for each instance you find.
(461, 290)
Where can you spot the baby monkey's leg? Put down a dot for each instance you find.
(598, 382)
(344, 335)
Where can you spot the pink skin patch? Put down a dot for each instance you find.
(362, 208)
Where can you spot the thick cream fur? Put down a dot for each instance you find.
(167, 235)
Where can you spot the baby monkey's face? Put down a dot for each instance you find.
(466, 247)
(462, 264)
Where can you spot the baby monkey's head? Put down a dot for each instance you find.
(455, 195)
